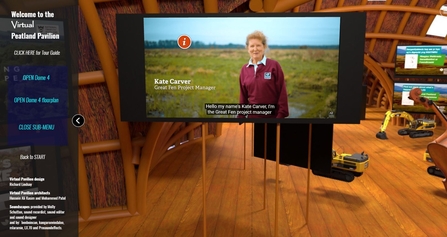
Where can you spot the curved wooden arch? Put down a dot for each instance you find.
(148, 151)
(159, 138)
(416, 38)
(143, 151)
(386, 81)
(377, 67)
(111, 78)
(397, 8)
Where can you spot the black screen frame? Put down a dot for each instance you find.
(295, 140)
(130, 43)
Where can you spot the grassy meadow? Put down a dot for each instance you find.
(421, 70)
(418, 108)
(310, 75)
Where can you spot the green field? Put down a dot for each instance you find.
(310, 75)
(422, 69)
(419, 108)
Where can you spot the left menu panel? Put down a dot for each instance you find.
(38, 137)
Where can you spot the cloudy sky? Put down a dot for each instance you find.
(225, 30)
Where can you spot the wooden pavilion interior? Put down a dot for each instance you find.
(147, 179)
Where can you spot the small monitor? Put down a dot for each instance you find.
(437, 92)
(423, 61)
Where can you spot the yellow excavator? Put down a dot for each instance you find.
(415, 128)
(345, 166)
(354, 163)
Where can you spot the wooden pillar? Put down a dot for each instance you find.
(151, 6)
(211, 6)
(285, 5)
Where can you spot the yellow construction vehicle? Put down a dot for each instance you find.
(345, 167)
(355, 163)
(415, 128)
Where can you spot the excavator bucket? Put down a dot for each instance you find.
(381, 135)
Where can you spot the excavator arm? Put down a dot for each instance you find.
(415, 128)
(388, 115)
(385, 121)
(437, 148)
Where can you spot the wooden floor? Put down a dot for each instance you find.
(394, 197)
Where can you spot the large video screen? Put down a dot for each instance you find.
(421, 61)
(304, 68)
(436, 92)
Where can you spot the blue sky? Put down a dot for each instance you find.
(225, 30)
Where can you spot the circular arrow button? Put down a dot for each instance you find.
(78, 120)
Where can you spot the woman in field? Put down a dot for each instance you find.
(262, 81)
